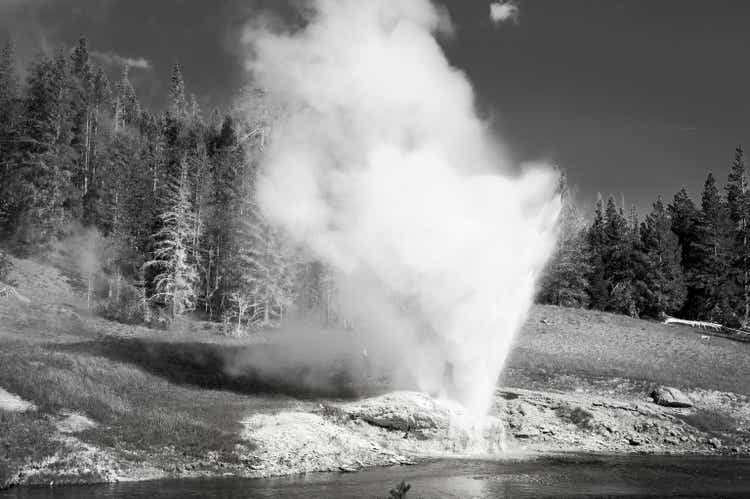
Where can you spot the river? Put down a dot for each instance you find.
(550, 476)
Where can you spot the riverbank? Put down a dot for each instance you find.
(86, 400)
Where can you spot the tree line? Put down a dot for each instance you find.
(681, 260)
(170, 195)
(171, 199)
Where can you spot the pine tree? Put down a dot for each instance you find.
(102, 90)
(9, 88)
(597, 243)
(738, 206)
(178, 106)
(565, 280)
(175, 275)
(127, 108)
(228, 169)
(713, 248)
(42, 157)
(684, 216)
(617, 263)
(264, 282)
(617, 253)
(665, 288)
(9, 117)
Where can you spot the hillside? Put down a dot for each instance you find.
(83, 399)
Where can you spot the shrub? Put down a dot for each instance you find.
(400, 491)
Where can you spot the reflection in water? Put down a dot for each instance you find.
(569, 475)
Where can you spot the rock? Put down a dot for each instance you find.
(670, 397)
(715, 443)
(404, 411)
(527, 432)
(634, 441)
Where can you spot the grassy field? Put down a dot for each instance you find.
(556, 341)
(162, 398)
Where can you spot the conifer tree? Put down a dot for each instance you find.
(9, 116)
(565, 280)
(684, 217)
(174, 274)
(9, 89)
(228, 189)
(42, 164)
(665, 288)
(738, 206)
(178, 106)
(713, 248)
(617, 252)
(127, 108)
(597, 243)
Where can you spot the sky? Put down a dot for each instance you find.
(633, 98)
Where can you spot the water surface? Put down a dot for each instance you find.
(567, 475)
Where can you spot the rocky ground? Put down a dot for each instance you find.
(85, 400)
(403, 428)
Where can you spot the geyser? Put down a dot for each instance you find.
(381, 167)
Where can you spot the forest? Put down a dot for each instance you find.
(682, 260)
(159, 209)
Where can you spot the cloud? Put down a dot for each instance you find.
(113, 59)
(503, 11)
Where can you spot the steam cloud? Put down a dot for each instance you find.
(383, 170)
(503, 11)
(118, 60)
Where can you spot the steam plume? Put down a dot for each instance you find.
(382, 168)
(120, 61)
(503, 11)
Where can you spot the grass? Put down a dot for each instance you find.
(145, 400)
(556, 341)
(24, 439)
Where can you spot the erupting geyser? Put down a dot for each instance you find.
(381, 167)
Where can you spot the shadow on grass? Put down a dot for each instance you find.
(218, 367)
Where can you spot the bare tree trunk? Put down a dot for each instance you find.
(88, 292)
(745, 262)
(118, 115)
(86, 145)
